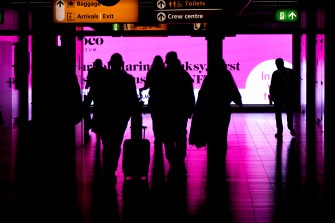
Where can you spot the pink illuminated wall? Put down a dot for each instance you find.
(319, 78)
(254, 56)
(303, 72)
(250, 58)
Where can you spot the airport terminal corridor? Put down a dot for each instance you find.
(264, 181)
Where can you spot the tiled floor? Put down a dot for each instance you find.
(265, 181)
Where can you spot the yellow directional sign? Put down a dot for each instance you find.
(91, 11)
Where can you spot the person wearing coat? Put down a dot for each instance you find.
(212, 115)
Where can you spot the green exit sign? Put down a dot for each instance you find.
(1, 16)
(116, 27)
(287, 15)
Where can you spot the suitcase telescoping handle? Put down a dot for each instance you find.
(137, 128)
(144, 128)
(137, 122)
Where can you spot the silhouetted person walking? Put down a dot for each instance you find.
(283, 93)
(154, 82)
(179, 101)
(212, 114)
(52, 147)
(95, 74)
(115, 102)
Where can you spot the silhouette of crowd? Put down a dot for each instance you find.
(172, 105)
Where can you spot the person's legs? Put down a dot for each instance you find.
(168, 140)
(174, 150)
(218, 142)
(87, 116)
(279, 122)
(181, 144)
(112, 142)
(181, 136)
(216, 156)
(289, 114)
(157, 130)
(110, 154)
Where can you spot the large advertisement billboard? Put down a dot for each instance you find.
(250, 58)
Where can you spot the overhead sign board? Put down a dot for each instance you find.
(286, 15)
(183, 11)
(91, 11)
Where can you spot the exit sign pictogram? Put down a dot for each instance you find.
(1, 16)
(287, 15)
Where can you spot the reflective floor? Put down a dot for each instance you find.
(265, 180)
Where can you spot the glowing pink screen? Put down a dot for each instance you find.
(250, 58)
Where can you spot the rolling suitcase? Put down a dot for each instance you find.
(136, 150)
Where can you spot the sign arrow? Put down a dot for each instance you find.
(60, 10)
(292, 15)
(161, 4)
(60, 3)
(161, 16)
